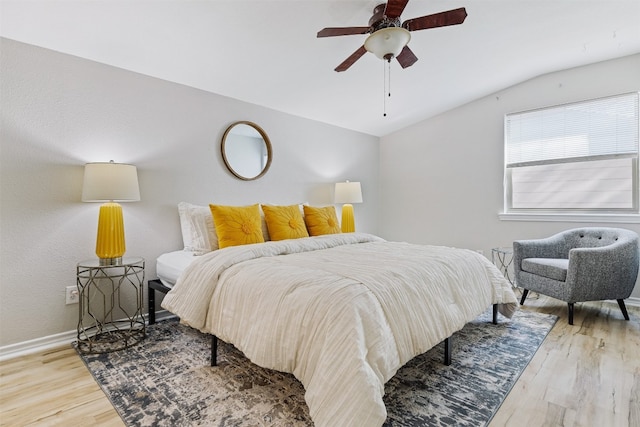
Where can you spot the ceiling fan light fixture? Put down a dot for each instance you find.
(387, 43)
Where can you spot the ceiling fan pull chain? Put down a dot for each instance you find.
(389, 77)
(384, 90)
(387, 86)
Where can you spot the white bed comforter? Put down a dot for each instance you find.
(341, 312)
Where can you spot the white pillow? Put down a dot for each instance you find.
(198, 232)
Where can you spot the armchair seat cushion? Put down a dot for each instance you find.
(552, 268)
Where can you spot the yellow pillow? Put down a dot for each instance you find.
(237, 225)
(284, 222)
(321, 220)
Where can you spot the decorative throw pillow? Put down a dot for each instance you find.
(321, 221)
(284, 222)
(237, 225)
(198, 232)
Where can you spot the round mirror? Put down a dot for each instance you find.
(246, 150)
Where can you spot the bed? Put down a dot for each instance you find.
(341, 312)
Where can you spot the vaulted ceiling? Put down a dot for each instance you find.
(266, 52)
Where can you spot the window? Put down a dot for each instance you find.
(573, 158)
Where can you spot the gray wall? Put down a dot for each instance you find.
(441, 179)
(60, 112)
(438, 182)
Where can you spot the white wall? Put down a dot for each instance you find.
(441, 179)
(59, 112)
(438, 182)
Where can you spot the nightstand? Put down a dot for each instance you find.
(503, 258)
(110, 305)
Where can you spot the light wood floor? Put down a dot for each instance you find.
(587, 374)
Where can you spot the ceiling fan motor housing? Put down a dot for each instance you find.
(379, 20)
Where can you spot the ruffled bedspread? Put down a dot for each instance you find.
(341, 312)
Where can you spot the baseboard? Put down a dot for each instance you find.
(66, 338)
(43, 344)
(37, 345)
(632, 302)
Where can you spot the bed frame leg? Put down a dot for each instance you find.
(214, 350)
(152, 306)
(495, 314)
(447, 351)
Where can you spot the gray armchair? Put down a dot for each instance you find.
(582, 264)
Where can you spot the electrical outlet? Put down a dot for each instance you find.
(72, 295)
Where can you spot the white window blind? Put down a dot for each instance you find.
(574, 157)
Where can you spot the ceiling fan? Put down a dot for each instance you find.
(388, 37)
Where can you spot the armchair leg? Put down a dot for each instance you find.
(570, 313)
(525, 292)
(624, 309)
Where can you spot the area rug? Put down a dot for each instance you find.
(166, 380)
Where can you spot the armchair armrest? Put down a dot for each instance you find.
(549, 247)
(607, 272)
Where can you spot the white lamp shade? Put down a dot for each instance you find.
(105, 182)
(387, 41)
(348, 192)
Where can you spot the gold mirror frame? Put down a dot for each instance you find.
(226, 140)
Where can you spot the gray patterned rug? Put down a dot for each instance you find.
(166, 379)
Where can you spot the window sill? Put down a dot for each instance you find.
(554, 217)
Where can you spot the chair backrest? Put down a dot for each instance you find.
(593, 237)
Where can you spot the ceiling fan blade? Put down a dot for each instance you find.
(394, 8)
(351, 59)
(344, 31)
(406, 58)
(442, 19)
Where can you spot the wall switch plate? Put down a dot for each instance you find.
(72, 295)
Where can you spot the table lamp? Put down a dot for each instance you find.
(111, 183)
(348, 193)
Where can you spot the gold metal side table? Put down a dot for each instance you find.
(110, 305)
(503, 258)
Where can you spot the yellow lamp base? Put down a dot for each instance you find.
(110, 244)
(348, 220)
